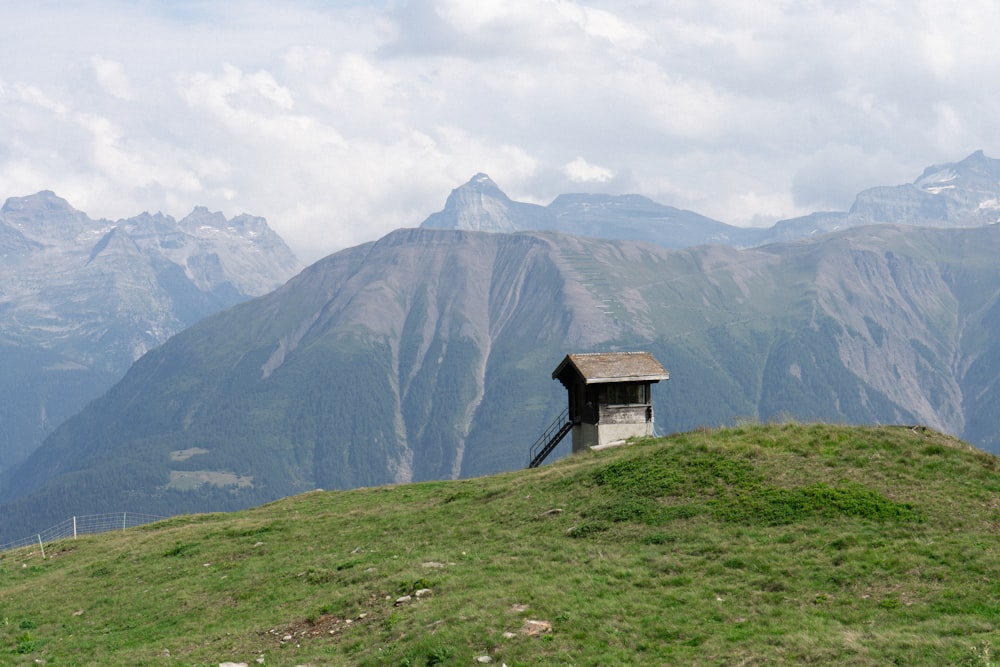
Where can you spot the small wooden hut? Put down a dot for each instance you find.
(609, 396)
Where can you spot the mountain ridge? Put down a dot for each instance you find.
(85, 298)
(954, 194)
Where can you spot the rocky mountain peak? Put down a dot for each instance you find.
(252, 226)
(46, 217)
(200, 216)
(958, 194)
(46, 200)
(483, 183)
(480, 205)
(976, 172)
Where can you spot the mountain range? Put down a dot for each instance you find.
(427, 354)
(82, 299)
(960, 194)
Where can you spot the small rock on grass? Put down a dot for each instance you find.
(533, 628)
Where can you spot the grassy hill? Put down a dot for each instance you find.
(758, 544)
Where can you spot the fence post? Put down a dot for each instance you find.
(124, 514)
(41, 546)
(74, 528)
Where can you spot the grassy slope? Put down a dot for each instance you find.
(758, 544)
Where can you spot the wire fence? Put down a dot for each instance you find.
(71, 528)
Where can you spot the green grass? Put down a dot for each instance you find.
(761, 544)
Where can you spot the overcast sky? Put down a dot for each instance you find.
(339, 121)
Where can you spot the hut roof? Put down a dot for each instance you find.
(602, 367)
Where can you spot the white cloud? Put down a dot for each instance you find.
(582, 171)
(600, 23)
(537, 18)
(759, 209)
(31, 96)
(473, 15)
(341, 121)
(111, 77)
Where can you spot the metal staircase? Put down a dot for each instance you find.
(548, 440)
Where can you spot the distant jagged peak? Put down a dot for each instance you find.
(976, 169)
(954, 194)
(146, 217)
(479, 185)
(481, 206)
(977, 156)
(201, 216)
(252, 225)
(482, 181)
(46, 217)
(44, 200)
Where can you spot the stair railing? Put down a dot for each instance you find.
(548, 440)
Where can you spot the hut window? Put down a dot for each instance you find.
(627, 394)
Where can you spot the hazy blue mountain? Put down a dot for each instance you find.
(82, 299)
(427, 355)
(961, 194)
(638, 218)
(480, 205)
